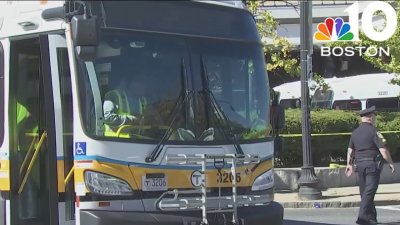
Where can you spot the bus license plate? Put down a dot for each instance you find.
(154, 183)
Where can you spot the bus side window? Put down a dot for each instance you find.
(347, 105)
(2, 201)
(384, 104)
(1, 94)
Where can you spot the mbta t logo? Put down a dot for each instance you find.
(197, 178)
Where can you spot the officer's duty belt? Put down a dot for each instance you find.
(366, 159)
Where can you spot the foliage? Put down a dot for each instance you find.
(320, 83)
(322, 121)
(326, 149)
(391, 64)
(277, 47)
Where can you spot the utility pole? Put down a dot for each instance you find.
(308, 181)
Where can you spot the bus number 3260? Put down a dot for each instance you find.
(227, 177)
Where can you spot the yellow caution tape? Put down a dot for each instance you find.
(333, 134)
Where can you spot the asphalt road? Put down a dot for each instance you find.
(387, 215)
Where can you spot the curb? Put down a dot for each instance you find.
(287, 178)
(334, 204)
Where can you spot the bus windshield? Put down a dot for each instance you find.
(142, 86)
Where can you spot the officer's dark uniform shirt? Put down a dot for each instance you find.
(365, 142)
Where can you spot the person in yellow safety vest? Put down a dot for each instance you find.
(120, 106)
(22, 116)
(22, 113)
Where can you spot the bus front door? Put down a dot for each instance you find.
(33, 164)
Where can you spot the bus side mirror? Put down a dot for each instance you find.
(85, 35)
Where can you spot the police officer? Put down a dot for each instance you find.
(365, 147)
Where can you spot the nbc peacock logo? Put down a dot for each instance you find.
(334, 30)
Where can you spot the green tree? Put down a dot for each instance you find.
(392, 63)
(278, 48)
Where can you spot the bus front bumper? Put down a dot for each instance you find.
(271, 214)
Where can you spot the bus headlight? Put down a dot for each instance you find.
(264, 181)
(106, 185)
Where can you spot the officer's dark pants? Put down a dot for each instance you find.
(368, 180)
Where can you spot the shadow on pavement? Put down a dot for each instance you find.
(339, 196)
(349, 195)
(295, 222)
(285, 191)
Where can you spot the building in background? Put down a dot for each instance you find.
(287, 13)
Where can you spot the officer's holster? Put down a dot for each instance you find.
(379, 161)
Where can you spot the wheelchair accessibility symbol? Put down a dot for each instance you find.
(80, 148)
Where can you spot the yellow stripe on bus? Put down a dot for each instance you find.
(60, 175)
(175, 178)
(4, 175)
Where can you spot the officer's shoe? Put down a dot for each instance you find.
(366, 222)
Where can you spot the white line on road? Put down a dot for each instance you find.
(395, 208)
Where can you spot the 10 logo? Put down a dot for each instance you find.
(338, 30)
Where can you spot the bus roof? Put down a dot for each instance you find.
(363, 87)
(230, 3)
(25, 17)
(289, 90)
(292, 90)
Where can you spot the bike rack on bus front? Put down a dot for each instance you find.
(191, 203)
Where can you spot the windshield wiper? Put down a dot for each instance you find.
(183, 99)
(221, 119)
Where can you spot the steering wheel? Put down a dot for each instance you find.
(139, 127)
